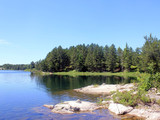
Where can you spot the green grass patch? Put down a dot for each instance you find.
(75, 73)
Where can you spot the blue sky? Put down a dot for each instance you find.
(29, 29)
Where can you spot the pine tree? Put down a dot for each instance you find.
(120, 58)
(127, 58)
(112, 57)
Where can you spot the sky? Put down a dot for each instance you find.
(29, 29)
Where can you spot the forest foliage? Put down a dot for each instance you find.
(95, 58)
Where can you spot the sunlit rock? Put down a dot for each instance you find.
(119, 109)
(70, 107)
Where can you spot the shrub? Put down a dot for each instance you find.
(125, 98)
(158, 102)
(145, 99)
(155, 78)
(129, 99)
(144, 82)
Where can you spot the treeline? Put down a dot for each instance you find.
(15, 67)
(95, 58)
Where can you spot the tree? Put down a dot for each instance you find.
(77, 57)
(151, 53)
(120, 58)
(127, 58)
(112, 57)
(96, 58)
(32, 65)
(106, 57)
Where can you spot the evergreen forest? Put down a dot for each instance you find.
(95, 58)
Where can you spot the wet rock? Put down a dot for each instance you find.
(119, 109)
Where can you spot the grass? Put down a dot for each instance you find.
(74, 73)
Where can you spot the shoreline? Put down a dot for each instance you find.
(74, 73)
(142, 110)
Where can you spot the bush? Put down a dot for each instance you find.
(149, 81)
(129, 99)
(155, 78)
(158, 102)
(125, 98)
(145, 99)
(144, 82)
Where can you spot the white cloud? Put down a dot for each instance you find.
(4, 42)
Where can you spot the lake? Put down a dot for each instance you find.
(23, 94)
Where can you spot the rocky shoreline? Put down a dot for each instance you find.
(148, 112)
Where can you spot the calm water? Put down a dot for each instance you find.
(23, 94)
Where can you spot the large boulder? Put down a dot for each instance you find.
(119, 109)
(70, 107)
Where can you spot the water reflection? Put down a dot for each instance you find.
(22, 95)
(55, 83)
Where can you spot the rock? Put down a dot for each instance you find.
(104, 102)
(70, 107)
(78, 101)
(146, 113)
(103, 83)
(153, 90)
(49, 106)
(107, 102)
(119, 109)
(154, 116)
(105, 88)
(76, 109)
(158, 94)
